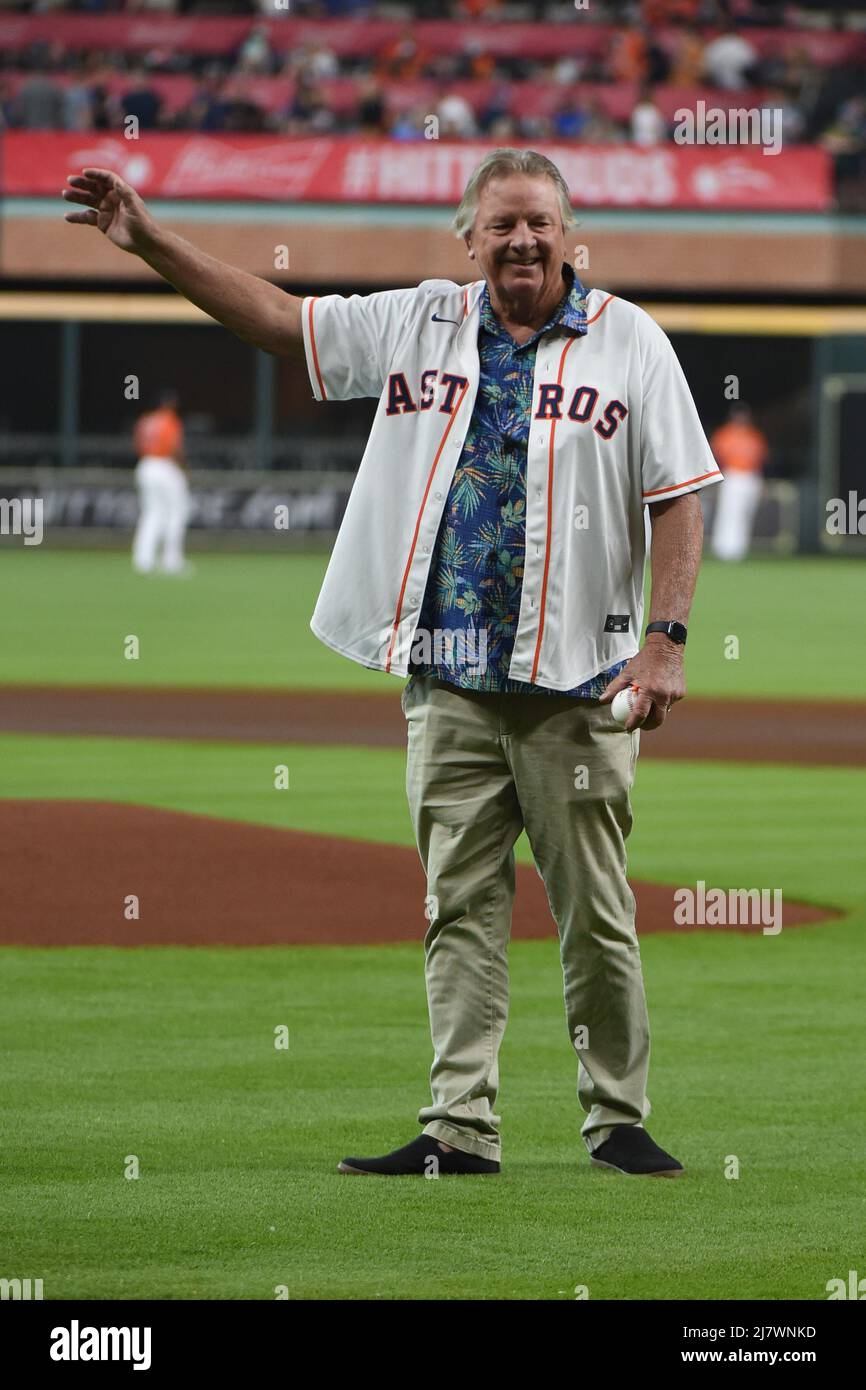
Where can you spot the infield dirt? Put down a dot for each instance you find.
(70, 867)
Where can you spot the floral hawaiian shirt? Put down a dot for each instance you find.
(472, 600)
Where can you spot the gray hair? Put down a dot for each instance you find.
(498, 163)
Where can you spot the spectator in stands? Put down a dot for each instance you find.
(103, 109)
(246, 116)
(730, 61)
(846, 135)
(409, 124)
(322, 63)
(476, 64)
(308, 109)
(315, 60)
(254, 54)
(687, 68)
(401, 58)
(658, 64)
(569, 120)
(456, 118)
(799, 78)
(647, 126)
(141, 101)
(627, 60)
(566, 70)
(791, 117)
(497, 106)
(741, 452)
(78, 105)
(210, 108)
(600, 128)
(800, 75)
(443, 68)
(39, 105)
(370, 115)
(845, 138)
(504, 130)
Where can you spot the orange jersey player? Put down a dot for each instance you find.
(163, 490)
(741, 452)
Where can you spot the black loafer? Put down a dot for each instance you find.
(423, 1157)
(629, 1149)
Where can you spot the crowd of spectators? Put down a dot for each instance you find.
(744, 12)
(50, 87)
(655, 11)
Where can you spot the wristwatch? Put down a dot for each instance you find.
(675, 631)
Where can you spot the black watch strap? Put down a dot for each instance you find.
(675, 631)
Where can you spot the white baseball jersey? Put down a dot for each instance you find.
(613, 429)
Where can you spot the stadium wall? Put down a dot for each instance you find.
(650, 252)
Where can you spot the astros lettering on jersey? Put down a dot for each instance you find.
(613, 428)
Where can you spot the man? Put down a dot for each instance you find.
(741, 451)
(160, 476)
(523, 427)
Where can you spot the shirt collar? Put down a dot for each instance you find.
(570, 313)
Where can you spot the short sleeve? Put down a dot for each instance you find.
(675, 455)
(350, 342)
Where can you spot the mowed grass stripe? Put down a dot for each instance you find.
(732, 825)
(168, 1055)
(243, 620)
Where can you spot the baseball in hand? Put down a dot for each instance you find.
(621, 704)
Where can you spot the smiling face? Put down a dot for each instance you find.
(518, 243)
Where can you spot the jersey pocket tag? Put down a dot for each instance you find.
(617, 622)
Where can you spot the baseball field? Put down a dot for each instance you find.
(212, 969)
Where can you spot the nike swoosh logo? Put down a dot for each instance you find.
(436, 319)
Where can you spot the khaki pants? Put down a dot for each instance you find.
(480, 768)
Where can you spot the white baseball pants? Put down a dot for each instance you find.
(164, 512)
(737, 503)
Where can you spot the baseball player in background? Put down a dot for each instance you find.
(163, 490)
(741, 451)
(531, 439)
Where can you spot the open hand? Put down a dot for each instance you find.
(112, 206)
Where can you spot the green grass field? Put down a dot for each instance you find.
(243, 620)
(167, 1053)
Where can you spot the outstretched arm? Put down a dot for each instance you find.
(254, 310)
